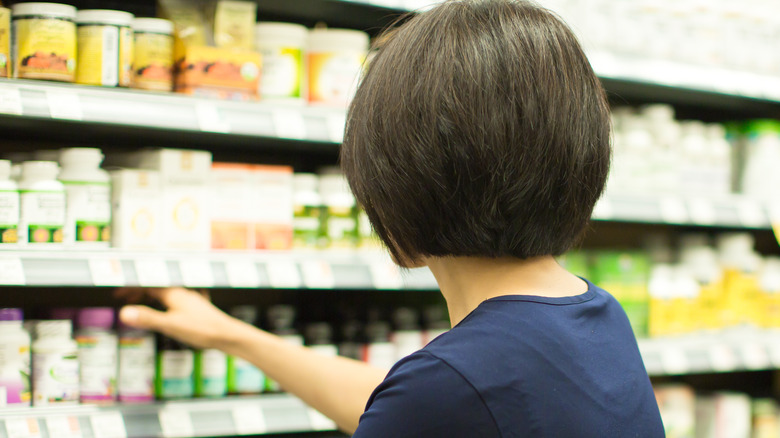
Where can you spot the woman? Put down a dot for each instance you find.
(478, 143)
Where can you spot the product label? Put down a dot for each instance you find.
(282, 73)
(307, 227)
(44, 48)
(98, 365)
(136, 369)
(153, 62)
(5, 42)
(174, 374)
(333, 77)
(341, 227)
(105, 55)
(212, 373)
(9, 216)
(89, 212)
(55, 378)
(42, 217)
(243, 377)
(15, 372)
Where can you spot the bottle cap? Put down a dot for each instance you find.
(104, 17)
(44, 9)
(40, 170)
(153, 25)
(11, 314)
(5, 170)
(91, 157)
(96, 317)
(58, 328)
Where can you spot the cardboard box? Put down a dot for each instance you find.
(136, 205)
(234, 24)
(222, 73)
(232, 225)
(272, 204)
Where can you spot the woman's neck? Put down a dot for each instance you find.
(466, 282)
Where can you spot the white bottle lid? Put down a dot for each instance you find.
(57, 328)
(104, 17)
(290, 34)
(153, 25)
(305, 182)
(5, 170)
(81, 157)
(335, 40)
(39, 170)
(54, 10)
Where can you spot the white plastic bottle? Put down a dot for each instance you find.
(98, 346)
(282, 46)
(341, 215)
(88, 189)
(9, 206)
(211, 377)
(55, 375)
(135, 381)
(42, 201)
(307, 211)
(14, 359)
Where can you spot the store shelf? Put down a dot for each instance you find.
(731, 212)
(272, 413)
(282, 270)
(733, 350)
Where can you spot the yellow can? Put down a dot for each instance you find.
(105, 40)
(153, 60)
(5, 42)
(44, 41)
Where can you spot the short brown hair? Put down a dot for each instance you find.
(479, 129)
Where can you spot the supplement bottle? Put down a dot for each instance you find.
(340, 217)
(98, 351)
(55, 364)
(42, 204)
(14, 359)
(379, 351)
(210, 373)
(9, 206)
(335, 61)
(319, 339)
(5, 42)
(44, 41)
(105, 47)
(407, 337)
(242, 376)
(153, 59)
(280, 320)
(175, 366)
(307, 211)
(135, 381)
(88, 190)
(282, 46)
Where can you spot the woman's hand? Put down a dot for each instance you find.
(190, 317)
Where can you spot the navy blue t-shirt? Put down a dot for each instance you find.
(522, 366)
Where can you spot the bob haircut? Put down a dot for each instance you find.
(479, 129)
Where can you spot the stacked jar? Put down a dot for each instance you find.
(44, 36)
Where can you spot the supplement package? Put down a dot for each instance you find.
(136, 209)
(44, 36)
(234, 23)
(5, 42)
(231, 223)
(153, 58)
(105, 48)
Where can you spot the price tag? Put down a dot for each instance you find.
(249, 420)
(242, 274)
(289, 124)
(673, 210)
(603, 210)
(106, 272)
(386, 275)
(108, 425)
(152, 272)
(196, 273)
(673, 361)
(755, 356)
(319, 421)
(10, 101)
(175, 423)
(63, 427)
(702, 212)
(283, 275)
(751, 214)
(336, 125)
(64, 105)
(22, 428)
(317, 274)
(11, 271)
(209, 118)
(722, 358)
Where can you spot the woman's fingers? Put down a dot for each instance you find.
(144, 318)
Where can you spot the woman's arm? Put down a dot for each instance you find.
(336, 386)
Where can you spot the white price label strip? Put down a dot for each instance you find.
(108, 425)
(702, 212)
(283, 275)
(152, 272)
(10, 101)
(673, 210)
(755, 356)
(11, 271)
(386, 275)
(196, 273)
(751, 214)
(175, 423)
(319, 421)
(289, 124)
(317, 274)
(63, 427)
(64, 105)
(603, 210)
(673, 361)
(336, 125)
(209, 118)
(22, 428)
(242, 274)
(722, 358)
(106, 272)
(249, 420)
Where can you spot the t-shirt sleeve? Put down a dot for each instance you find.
(423, 396)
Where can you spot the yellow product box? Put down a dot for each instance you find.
(218, 72)
(44, 36)
(234, 23)
(272, 204)
(232, 225)
(5, 42)
(136, 205)
(185, 178)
